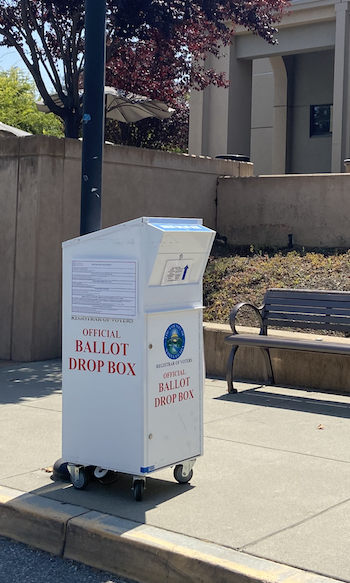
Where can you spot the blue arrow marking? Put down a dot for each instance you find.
(185, 271)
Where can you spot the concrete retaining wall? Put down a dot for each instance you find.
(40, 207)
(264, 210)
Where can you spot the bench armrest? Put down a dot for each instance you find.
(235, 311)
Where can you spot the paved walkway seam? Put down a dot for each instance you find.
(294, 525)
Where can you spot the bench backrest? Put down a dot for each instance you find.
(304, 308)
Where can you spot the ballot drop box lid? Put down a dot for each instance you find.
(132, 357)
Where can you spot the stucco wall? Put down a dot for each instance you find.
(8, 176)
(264, 210)
(40, 208)
(311, 76)
(310, 82)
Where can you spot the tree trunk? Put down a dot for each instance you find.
(72, 125)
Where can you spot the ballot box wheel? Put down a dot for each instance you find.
(179, 477)
(138, 490)
(81, 480)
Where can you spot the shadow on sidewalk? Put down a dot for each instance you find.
(339, 406)
(22, 381)
(116, 499)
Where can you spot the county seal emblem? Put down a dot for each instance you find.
(174, 341)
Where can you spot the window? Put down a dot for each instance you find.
(320, 120)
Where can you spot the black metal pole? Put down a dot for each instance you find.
(93, 134)
(93, 115)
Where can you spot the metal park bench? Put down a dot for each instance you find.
(293, 308)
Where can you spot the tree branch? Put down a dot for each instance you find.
(40, 31)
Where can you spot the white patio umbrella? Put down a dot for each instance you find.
(8, 131)
(128, 107)
(124, 106)
(44, 108)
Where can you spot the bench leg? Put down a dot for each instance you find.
(268, 366)
(229, 371)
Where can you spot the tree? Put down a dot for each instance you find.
(171, 36)
(17, 105)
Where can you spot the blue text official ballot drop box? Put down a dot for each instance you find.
(133, 349)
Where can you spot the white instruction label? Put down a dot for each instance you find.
(104, 287)
(177, 271)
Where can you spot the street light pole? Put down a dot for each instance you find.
(93, 115)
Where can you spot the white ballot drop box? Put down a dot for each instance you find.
(133, 369)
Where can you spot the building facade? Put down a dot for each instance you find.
(288, 105)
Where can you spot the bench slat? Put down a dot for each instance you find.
(317, 318)
(289, 344)
(308, 310)
(309, 325)
(304, 302)
(316, 294)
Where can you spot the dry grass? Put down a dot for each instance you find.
(237, 274)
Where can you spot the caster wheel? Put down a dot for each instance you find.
(109, 478)
(179, 477)
(138, 490)
(83, 479)
(105, 476)
(60, 471)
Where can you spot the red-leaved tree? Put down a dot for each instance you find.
(154, 47)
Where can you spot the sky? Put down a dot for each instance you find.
(9, 58)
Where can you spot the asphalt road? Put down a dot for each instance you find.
(22, 564)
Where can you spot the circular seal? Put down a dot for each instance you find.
(174, 341)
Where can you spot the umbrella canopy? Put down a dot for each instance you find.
(44, 108)
(128, 107)
(124, 106)
(7, 131)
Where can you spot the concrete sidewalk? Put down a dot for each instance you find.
(269, 501)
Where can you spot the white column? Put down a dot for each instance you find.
(209, 113)
(262, 122)
(279, 116)
(195, 134)
(239, 103)
(341, 93)
(220, 119)
(215, 110)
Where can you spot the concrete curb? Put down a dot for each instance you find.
(35, 520)
(145, 553)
